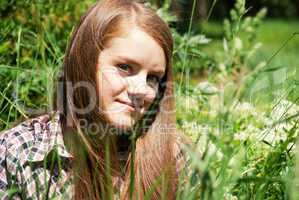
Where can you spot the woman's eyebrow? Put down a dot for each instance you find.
(129, 60)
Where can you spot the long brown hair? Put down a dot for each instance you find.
(151, 158)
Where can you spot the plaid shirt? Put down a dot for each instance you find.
(35, 164)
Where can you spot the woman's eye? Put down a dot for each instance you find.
(153, 80)
(124, 67)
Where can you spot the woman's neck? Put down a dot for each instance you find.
(123, 147)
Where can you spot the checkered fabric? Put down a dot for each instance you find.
(35, 164)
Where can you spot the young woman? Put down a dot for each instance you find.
(112, 133)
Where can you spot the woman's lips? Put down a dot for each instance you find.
(127, 104)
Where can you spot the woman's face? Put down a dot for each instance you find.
(128, 73)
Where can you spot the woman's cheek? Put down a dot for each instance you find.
(118, 84)
(150, 95)
(112, 80)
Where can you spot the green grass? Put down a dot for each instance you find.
(247, 143)
(279, 47)
(245, 146)
(272, 34)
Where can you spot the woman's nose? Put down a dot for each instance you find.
(138, 89)
(137, 85)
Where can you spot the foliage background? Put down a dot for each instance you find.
(237, 85)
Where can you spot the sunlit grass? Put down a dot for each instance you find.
(245, 146)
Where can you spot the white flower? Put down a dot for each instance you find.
(245, 109)
(242, 135)
(238, 43)
(207, 88)
(284, 109)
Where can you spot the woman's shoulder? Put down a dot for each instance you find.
(23, 150)
(30, 139)
(23, 133)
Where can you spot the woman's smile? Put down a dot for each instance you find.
(129, 106)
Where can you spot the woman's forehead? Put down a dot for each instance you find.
(136, 46)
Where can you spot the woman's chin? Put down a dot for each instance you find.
(122, 122)
(119, 117)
